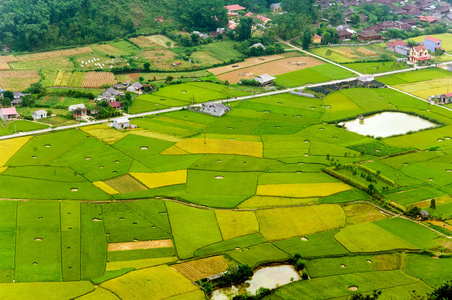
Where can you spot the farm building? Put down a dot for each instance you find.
(122, 86)
(203, 36)
(343, 34)
(432, 43)
(369, 35)
(441, 99)
(424, 214)
(115, 105)
(265, 79)
(214, 109)
(109, 95)
(39, 114)
(427, 19)
(18, 96)
(78, 110)
(275, 7)
(135, 87)
(419, 53)
(121, 123)
(316, 39)
(9, 113)
(234, 8)
(263, 19)
(177, 63)
(391, 46)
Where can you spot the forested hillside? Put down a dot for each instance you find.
(43, 24)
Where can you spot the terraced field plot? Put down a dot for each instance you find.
(188, 194)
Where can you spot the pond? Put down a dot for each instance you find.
(267, 277)
(387, 124)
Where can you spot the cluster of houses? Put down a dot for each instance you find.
(234, 13)
(437, 10)
(417, 53)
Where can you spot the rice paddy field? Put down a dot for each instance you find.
(96, 213)
(421, 83)
(349, 54)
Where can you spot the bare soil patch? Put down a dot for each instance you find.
(140, 245)
(366, 52)
(17, 80)
(273, 68)
(249, 62)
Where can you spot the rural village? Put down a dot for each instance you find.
(222, 150)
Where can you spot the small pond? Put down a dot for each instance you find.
(267, 277)
(387, 124)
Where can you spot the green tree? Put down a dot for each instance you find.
(433, 203)
(374, 296)
(244, 28)
(147, 66)
(28, 101)
(8, 94)
(306, 39)
(354, 19)
(202, 15)
(168, 79)
(5, 101)
(220, 37)
(195, 39)
(443, 292)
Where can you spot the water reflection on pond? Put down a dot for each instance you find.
(387, 123)
(268, 277)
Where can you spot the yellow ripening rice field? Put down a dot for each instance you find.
(236, 223)
(156, 180)
(156, 135)
(213, 146)
(2, 169)
(125, 184)
(104, 133)
(54, 54)
(283, 223)
(302, 190)
(4, 60)
(202, 268)
(97, 79)
(9, 147)
(166, 282)
(105, 187)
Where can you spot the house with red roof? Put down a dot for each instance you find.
(316, 39)
(9, 113)
(263, 19)
(116, 105)
(432, 43)
(441, 99)
(399, 47)
(234, 9)
(427, 19)
(419, 54)
(249, 14)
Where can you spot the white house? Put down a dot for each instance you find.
(265, 79)
(214, 109)
(121, 123)
(39, 114)
(78, 110)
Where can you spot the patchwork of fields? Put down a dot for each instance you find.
(110, 213)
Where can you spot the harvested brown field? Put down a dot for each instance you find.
(4, 60)
(273, 68)
(125, 184)
(140, 245)
(97, 79)
(249, 62)
(202, 268)
(161, 40)
(144, 42)
(17, 80)
(366, 52)
(54, 54)
(163, 54)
